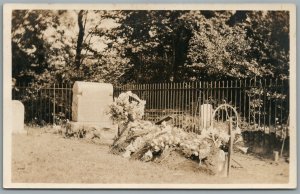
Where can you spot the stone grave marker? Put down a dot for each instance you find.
(18, 111)
(206, 111)
(90, 100)
(89, 106)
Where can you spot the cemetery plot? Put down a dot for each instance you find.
(185, 94)
(213, 151)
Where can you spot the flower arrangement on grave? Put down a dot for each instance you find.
(126, 108)
(147, 141)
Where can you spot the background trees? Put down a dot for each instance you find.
(148, 46)
(30, 51)
(240, 44)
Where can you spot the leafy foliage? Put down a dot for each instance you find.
(240, 45)
(148, 46)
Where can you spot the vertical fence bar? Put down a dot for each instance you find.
(165, 98)
(205, 109)
(178, 111)
(265, 104)
(174, 102)
(70, 101)
(211, 92)
(160, 98)
(150, 113)
(270, 115)
(152, 96)
(179, 104)
(240, 97)
(145, 95)
(249, 104)
(259, 110)
(219, 98)
(31, 104)
(223, 98)
(275, 107)
(227, 95)
(181, 94)
(39, 105)
(254, 105)
(215, 95)
(201, 100)
(205, 101)
(49, 104)
(192, 104)
(40, 121)
(184, 102)
(235, 94)
(281, 107)
(54, 99)
(190, 101)
(57, 105)
(157, 102)
(230, 99)
(66, 101)
(62, 104)
(154, 114)
(171, 100)
(42, 116)
(167, 95)
(45, 105)
(185, 117)
(270, 106)
(245, 102)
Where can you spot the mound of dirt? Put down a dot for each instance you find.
(175, 160)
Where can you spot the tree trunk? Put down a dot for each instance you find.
(180, 50)
(80, 39)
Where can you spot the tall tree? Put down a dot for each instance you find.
(148, 46)
(29, 48)
(239, 44)
(81, 24)
(156, 43)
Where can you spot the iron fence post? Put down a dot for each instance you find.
(54, 104)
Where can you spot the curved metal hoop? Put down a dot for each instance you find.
(225, 106)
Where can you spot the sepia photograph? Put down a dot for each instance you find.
(193, 96)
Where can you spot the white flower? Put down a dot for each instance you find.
(123, 110)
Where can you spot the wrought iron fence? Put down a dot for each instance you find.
(45, 105)
(263, 105)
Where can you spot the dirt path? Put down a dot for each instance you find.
(47, 158)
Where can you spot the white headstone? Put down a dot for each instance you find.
(18, 111)
(206, 111)
(90, 102)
